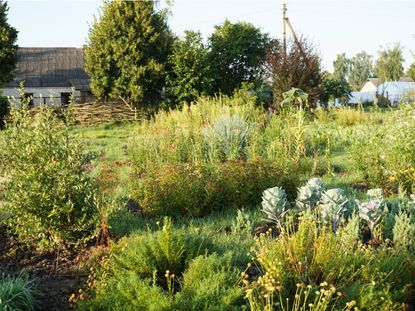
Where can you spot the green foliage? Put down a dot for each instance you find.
(333, 205)
(236, 53)
(341, 67)
(210, 283)
(243, 223)
(149, 256)
(228, 135)
(393, 167)
(197, 190)
(4, 109)
(296, 262)
(411, 71)
(49, 196)
(309, 195)
(189, 76)
(355, 70)
(8, 46)
(17, 294)
(404, 232)
(332, 88)
(389, 66)
(295, 96)
(164, 270)
(127, 52)
(361, 69)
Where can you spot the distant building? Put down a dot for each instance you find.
(396, 92)
(356, 98)
(370, 85)
(51, 72)
(392, 92)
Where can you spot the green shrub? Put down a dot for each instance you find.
(152, 254)
(164, 270)
(17, 294)
(49, 196)
(210, 283)
(4, 109)
(195, 190)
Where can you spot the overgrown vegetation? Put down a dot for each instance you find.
(270, 237)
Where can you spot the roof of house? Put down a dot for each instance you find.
(375, 81)
(51, 67)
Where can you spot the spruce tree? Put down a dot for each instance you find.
(127, 52)
(8, 46)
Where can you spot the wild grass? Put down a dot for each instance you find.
(18, 293)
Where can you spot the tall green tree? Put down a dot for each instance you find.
(237, 51)
(332, 88)
(411, 71)
(341, 66)
(8, 46)
(189, 75)
(127, 52)
(389, 66)
(361, 69)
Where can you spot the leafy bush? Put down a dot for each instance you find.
(195, 190)
(49, 196)
(17, 294)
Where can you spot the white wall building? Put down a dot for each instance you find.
(50, 75)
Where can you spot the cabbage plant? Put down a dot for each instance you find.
(371, 212)
(333, 205)
(274, 204)
(309, 195)
(375, 194)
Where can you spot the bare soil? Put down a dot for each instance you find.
(57, 275)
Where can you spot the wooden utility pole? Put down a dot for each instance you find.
(286, 22)
(284, 27)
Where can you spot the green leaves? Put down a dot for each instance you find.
(236, 53)
(389, 66)
(48, 193)
(190, 74)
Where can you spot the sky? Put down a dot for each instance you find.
(334, 26)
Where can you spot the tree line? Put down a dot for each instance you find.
(133, 55)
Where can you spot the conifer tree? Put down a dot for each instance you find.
(127, 52)
(8, 46)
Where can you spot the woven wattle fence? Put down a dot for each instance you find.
(95, 113)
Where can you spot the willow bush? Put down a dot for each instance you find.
(49, 197)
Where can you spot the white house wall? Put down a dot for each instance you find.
(368, 87)
(49, 94)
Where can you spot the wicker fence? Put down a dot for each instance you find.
(95, 113)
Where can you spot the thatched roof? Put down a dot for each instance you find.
(51, 67)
